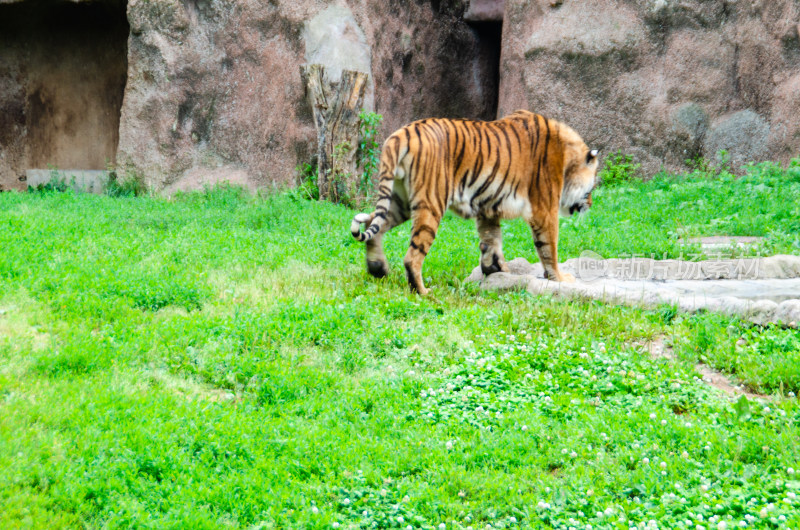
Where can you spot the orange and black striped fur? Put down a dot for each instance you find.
(523, 165)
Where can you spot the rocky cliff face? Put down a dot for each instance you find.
(213, 87)
(666, 80)
(187, 92)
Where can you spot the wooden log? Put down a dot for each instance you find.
(335, 107)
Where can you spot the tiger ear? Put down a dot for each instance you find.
(591, 155)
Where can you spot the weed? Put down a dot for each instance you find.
(131, 185)
(369, 150)
(307, 176)
(619, 169)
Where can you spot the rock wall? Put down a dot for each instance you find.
(666, 80)
(213, 87)
(62, 77)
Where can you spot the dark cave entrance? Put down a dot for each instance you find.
(63, 68)
(490, 38)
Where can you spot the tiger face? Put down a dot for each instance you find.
(580, 179)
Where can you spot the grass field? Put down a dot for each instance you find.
(223, 361)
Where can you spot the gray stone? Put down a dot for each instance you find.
(763, 289)
(743, 135)
(689, 126)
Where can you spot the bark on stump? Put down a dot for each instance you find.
(336, 107)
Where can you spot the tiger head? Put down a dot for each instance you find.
(580, 175)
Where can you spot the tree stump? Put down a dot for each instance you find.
(336, 107)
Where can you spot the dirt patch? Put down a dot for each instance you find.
(659, 349)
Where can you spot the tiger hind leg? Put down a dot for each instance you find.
(491, 246)
(545, 237)
(423, 232)
(377, 264)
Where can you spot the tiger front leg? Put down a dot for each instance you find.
(545, 238)
(491, 246)
(423, 232)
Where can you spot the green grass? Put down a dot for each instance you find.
(224, 361)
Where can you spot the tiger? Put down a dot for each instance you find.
(522, 165)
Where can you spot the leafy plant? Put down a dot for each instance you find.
(619, 169)
(307, 178)
(56, 183)
(703, 167)
(132, 185)
(369, 150)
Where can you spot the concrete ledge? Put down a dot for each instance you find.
(761, 290)
(84, 180)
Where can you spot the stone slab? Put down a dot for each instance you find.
(762, 290)
(85, 180)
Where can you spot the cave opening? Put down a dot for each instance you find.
(63, 70)
(489, 36)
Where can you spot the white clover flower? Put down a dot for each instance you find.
(524, 427)
(314, 509)
(573, 454)
(406, 498)
(346, 502)
(589, 492)
(704, 487)
(790, 471)
(645, 460)
(335, 524)
(449, 445)
(663, 465)
(652, 415)
(684, 455)
(763, 513)
(512, 519)
(442, 526)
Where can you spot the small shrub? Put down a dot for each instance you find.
(369, 150)
(307, 177)
(56, 183)
(619, 169)
(703, 167)
(132, 185)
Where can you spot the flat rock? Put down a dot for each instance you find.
(762, 290)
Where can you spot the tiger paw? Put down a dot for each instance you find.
(567, 278)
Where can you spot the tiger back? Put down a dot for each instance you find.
(523, 165)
